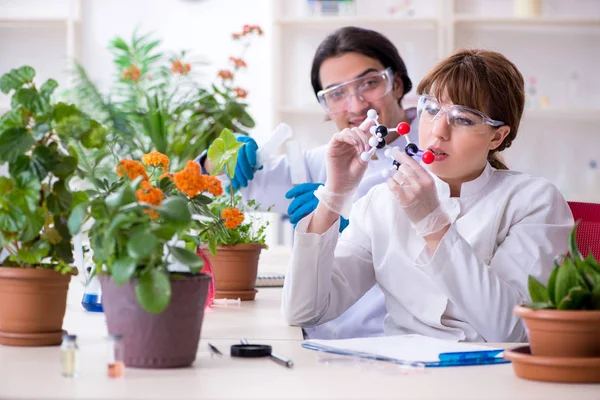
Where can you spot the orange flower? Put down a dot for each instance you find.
(151, 195)
(236, 36)
(225, 74)
(180, 68)
(132, 169)
(241, 93)
(233, 217)
(213, 185)
(132, 73)
(156, 159)
(238, 62)
(190, 180)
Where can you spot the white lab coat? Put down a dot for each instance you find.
(268, 188)
(505, 226)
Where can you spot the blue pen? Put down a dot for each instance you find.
(470, 355)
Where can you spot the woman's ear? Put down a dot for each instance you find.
(398, 87)
(499, 135)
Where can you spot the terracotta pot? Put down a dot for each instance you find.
(166, 340)
(235, 268)
(558, 333)
(32, 306)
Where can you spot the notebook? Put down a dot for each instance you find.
(269, 280)
(411, 349)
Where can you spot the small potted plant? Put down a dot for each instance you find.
(36, 202)
(154, 292)
(231, 241)
(563, 319)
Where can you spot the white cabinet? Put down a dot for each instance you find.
(557, 49)
(39, 33)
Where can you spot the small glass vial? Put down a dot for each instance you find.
(69, 355)
(115, 363)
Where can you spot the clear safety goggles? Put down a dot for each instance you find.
(368, 88)
(458, 117)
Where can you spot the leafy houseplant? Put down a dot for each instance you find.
(158, 103)
(231, 242)
(36, 202)
(563, 318)
(141, 237)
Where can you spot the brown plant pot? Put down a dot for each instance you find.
(166, 340)
(558, 333)
(234, 269)
(32, 306)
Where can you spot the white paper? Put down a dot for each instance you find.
(413, 348)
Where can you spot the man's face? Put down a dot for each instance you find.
(348, 67)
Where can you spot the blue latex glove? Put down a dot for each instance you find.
(246, 162)
(305, 202)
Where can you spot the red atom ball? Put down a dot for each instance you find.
(428, 157)
(403, 128)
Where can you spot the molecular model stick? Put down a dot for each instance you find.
(377, 141)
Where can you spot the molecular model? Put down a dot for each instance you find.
(377, 141)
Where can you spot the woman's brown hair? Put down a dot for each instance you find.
(484, 80)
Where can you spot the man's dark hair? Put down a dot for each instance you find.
(351, 39)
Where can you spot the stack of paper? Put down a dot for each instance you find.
(410, 349)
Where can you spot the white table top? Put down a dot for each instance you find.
(34, 373)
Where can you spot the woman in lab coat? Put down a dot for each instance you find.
(451, 247)
(353, 70)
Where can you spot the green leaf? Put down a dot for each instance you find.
(21, 164)
(60, 200)
(591, 276)
(15, 78)
(14, 142)
(175, 210)
(95, 137)
(11, 119)
(141, 245)
(573, 249)
(33, 225)
(125, 195)
(537, 291)
(80, 198)
(153, 291)
(552, 286)
(123, 269)
(31, 100)
(212, 245)
(566, 279)
(591, 260)
(186, 257)
(65, 167)
(43, 160)
(573, 299)
(76, 218)
(26, 191)
(48, 88)
(34, 254)
(223, 152)
(165, 231)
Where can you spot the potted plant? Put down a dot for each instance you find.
(563, 319)
(36, 201)
(231, 242)
(154, 292)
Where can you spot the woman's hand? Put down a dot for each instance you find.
(345, 169)
(414, 188)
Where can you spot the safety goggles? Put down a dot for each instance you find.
(458, 117)
(368, 88)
